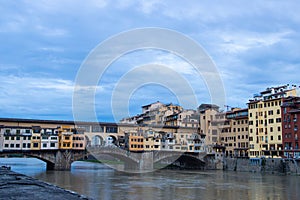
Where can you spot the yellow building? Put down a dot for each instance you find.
(65, 135)
(265, 131)
(36, 138)
(136, 141)
(79, 140)
(237, 141)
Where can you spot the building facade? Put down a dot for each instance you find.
(265, 128)
(237, 141)
(207, 113)
(290, 110)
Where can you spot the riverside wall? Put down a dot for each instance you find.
(263, 165)
(267, 165)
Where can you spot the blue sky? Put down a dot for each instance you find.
(254, 45)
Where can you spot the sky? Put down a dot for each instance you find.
(44, 44)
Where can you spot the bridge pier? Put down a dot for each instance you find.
(58, 159)
(145, 163)
(62, 161)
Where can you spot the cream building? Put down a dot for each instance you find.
(207, 115)
(237, 140)
(265, 130)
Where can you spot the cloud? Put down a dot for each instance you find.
(52, 32)
(35, 96)
(254, 45)
(242, 41)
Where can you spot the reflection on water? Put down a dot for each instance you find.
(100, 182)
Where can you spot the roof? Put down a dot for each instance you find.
(151, 104)
(60, 122)
(208, 106)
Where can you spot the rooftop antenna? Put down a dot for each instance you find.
(227, 107)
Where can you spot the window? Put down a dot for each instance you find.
(12, 145)
(18, 138)
(52, 144)
(111, 129)
(44, 145)
(35, 145)
(97, 129)
(278, 128)
(270, 112)
(279, 137)
(85, 128)
(278, 120)
(6, 145)
(24, 145)
(271, 137)
(17, 145)
(271, 121)
(271, 129)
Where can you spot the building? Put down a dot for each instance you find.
(207, 113)
(156, 114)
(136, 141)
(79, 139)
(220, 130)
(265, 128)
(239, 133)
(15, 138)
(65, 135)
(290, 113)
(49, 139)
(188, 118)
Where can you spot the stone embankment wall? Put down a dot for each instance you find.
(268, 165)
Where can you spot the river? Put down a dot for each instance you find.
(100, 182)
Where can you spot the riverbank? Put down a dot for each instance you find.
(18, 186)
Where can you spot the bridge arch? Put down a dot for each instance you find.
(50, 165)
(183, 160)
(112, 139)
(97, 140)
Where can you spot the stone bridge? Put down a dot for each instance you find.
(54, 159)
(144, 161)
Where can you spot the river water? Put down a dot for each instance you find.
(100, 182)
